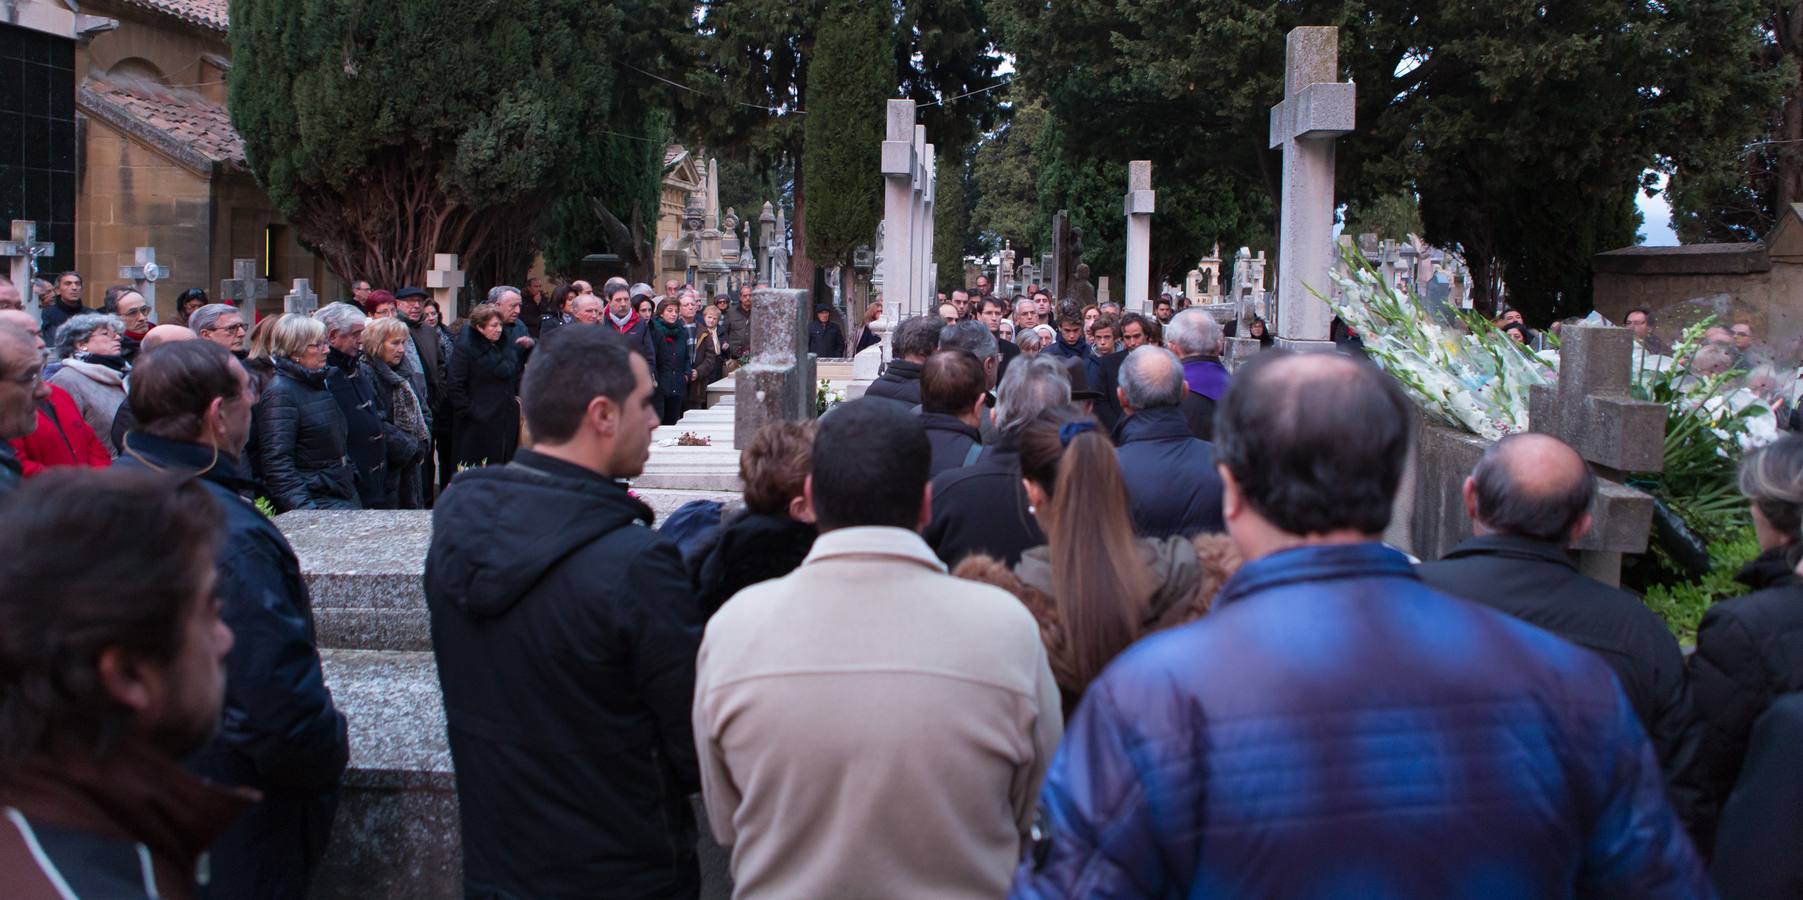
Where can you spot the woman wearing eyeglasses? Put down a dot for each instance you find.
(93, 370)
(299, 431)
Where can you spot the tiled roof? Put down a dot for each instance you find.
(186, 125)
(208, 13)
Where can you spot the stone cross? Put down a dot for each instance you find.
(24, 250)
(144, 274)
(903, 172)
(1591, 409)
(245, 287)
(1317, 107)
(778, 384)
(445, 280)
(301, 300)
(1139, 205)
(1058, 270)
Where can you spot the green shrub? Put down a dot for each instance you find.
(1682, 604)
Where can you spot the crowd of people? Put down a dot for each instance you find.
(1095, 618)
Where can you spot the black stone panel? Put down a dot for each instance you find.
(37, 146)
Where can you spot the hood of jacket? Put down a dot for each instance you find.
(1173, 562)
(1772, 568)
(499, 528)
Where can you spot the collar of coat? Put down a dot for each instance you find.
(871, 541)
(1314, 563)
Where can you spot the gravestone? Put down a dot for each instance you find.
(1139, 204)
(1058, 269)
(907, 226)
(144, 274)
(301, 299)
(245, 287)
(1317, 108)
(1081, 289)
(778, 384)
(445, 280)
(23, 251)
(1592, 410)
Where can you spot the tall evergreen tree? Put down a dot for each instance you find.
(842, 131)
(951, 217)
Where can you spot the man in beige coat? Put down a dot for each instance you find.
(869, 725)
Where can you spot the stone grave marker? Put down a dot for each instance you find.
(144, 274)
(778, 384)
(1058, 268)
(1317, 107)
(23, 252)
(245, 287)
(1139, 204)
(445, 280)
(1591, 409)
(300, 299)
(904, 177)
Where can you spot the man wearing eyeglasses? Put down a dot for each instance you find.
(21, 387)
(222, 324)
(131, 308)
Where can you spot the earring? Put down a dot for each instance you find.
(1031, 511)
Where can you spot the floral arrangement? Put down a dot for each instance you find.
(826, 397)
(1456, 366)
(690, 439)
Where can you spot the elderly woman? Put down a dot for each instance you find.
(365, 440)
(401, 410)
(300, 431)
(707, 357)
(484, 387)
(93, 371)
(670, 369)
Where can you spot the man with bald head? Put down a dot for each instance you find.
(160, 336)
(1172, 487)
(21, 387)
(1529, 501)
(1334, 726)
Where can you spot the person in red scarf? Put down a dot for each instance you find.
(627, 321)
(130, 306)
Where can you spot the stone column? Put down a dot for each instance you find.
(921, 300)
(1140, 202)
(778, 383)
(1316, 108)
(900, 174)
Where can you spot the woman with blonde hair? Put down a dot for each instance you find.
(1095, 586)
(300, 433)
(405, 429)
(707, 357)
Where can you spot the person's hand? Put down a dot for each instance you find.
(525, 341)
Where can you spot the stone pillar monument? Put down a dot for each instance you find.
(1317, 107)
(778, 384)
(1139, 205)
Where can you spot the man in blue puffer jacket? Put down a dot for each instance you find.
(1336, 728)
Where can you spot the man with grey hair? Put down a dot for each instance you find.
(915, 339)
(1172, 486)
(22, 387)
(365, 438)
(506, 298)
(220, 323)
(1026, 315)
(980, 508)
(973, 336)
(585, 308)
(1196, 338)
(10, 298)
(1529, 502)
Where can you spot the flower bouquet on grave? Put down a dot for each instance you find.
(1457, 367)
(825, 397)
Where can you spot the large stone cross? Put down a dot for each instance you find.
(904, 171)
(301, 299)
(245, 287)
(445, 280)
(1591, 410)
(24, 250)
(1317, 107)
(1139, 204)
(144, 274)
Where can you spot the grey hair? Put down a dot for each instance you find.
(500, 290)
(1033, 385)
(1772, 477)
(1028, 339)
(340, 318)
(1193, 332)
(1152, 378)
(207, 317)
(1025, 303)
(82, 327)
(969, 335)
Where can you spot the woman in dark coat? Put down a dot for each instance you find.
(484, 385)
(771, 536)
(300, 432)
(707, 358)
(401, 410)
(672, 369)
(1750, 648)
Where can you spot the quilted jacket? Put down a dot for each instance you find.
(1335, 728)
(301, 442)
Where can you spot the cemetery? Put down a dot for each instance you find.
(1124, 196)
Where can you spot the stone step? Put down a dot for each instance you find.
(664, 501)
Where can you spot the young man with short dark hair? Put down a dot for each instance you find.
(953, 389)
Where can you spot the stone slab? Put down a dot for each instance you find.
(364, 571)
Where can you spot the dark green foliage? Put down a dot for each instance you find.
(843, 131)
(1523, 126)
(388, 131)
(951, 217)
(1007, 165)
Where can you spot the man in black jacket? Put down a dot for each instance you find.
(1528, 500)
(281, 735)
(952, 390)
(567, 655)
(915, 340)
(991, 312)
(1172, 486)
(364, 440)
(981, 508)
